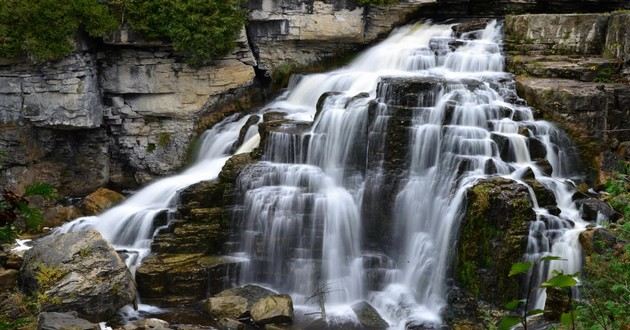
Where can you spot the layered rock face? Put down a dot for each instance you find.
(575, 70)
(125, 111)
(303, 32)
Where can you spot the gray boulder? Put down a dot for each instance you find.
(64, 321)
(368, 317)
(77, 272)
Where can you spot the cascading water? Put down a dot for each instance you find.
(130, 226)
(305, 207)
(329, 177)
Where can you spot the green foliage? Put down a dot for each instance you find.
(200, 29)
(606, 288)
(16, 324)
(45, 30)
(164, 139)
(41, 189)
(520, 268)
(618, 186)
(48, 276)
(605, 75)
(519, 306)
(560, 280)
(15, 209)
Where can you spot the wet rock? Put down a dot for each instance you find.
(368, 317)
(598, 241)
(231, 324)
(64, 321)
(251, 293)
(8, 279)
(77, 272)
(470, 25)
(251, 121)
(147, 324)
(226, 306)
(174, 279)
(537, 150)
(100, 200)
(592, 207)
(273, 309)
(558, 302)
(493, 236)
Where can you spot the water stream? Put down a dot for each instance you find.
(309, 209)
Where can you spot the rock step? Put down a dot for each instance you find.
(580, 68)
(169, 279)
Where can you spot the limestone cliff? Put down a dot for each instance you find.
(123, 110)
(575, 70)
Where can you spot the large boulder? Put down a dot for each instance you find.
(100, 200)
(368, 317)
(493, 236)
(64, 321)
(237, 302)
(226, 307)
(273, 309)
(592, 208)
(77, 272)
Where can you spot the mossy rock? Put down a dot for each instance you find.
(493, 236)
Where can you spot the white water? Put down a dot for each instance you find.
(302, 221)
(130, 226)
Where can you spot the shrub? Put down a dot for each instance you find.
(202, 30)
(45, 30)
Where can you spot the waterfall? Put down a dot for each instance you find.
(361, 188)
(130, 226)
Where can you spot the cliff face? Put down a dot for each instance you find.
(126, 110)
(575, 69)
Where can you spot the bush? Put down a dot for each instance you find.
(44, 30)
(202, 30)
(606, 290)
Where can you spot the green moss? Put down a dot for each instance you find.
(151, 147)
(164, 139)
(85, 252)
(48, 276)
(605, 75)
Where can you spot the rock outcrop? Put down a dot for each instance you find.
(77, 272)
(493, 236)
(187, 262)
(125, 111)
(573, 69)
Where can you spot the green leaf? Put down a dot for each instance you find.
(535, 312)
(560, 281)
(520, 268)
(507, 322)
(512, 305)
(551, 258)
(567, 318)
(40, 189)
